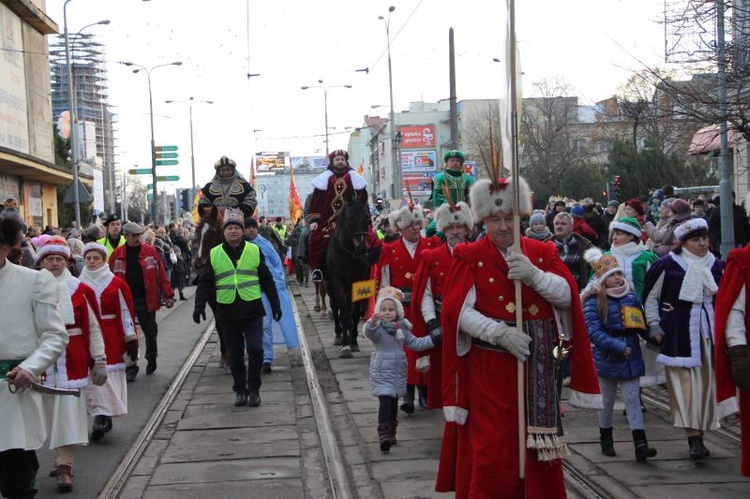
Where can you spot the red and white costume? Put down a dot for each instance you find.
(398, 267)
(427, 299)
(117, 324)
(480, 455)
(733, 329)
(80, 311)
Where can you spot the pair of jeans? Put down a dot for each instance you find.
(147, 321)
(241, 336)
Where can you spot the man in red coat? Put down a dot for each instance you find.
(398, 266)
(455, 222)
(482, 349)
(731, 340)
(141, 267)
(333, 189)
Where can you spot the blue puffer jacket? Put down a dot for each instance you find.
(609, 350)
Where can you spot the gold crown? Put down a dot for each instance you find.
(391, 292)
(605, 264)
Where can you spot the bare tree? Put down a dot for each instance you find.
(479, 131)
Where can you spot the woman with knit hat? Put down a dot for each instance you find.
(538, 228)
(615, 319)
(80, 312)
(679, 301)
(120, 338)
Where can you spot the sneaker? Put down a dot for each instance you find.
(317, 275)
(267, 369)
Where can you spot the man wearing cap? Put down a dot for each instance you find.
(113, 238)
(333, 189)
(456, 222)
(482, 348)
(455, 179)
(398, 265)
(571, 247)
(32, 337)
(237, 276)
(141, 267)
(228, 189)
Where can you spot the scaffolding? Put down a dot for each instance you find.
(93, 112)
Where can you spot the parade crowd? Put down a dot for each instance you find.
(610, 299)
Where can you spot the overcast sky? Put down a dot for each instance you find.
(593, 44)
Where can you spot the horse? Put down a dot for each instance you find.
(345, 263)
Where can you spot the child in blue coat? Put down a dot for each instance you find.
(615, 320)
(390, 332)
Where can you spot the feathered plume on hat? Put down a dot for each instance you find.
(55, 245)
(233, 216)
(459, 214)
(404, 217)
(602, 265)
(495, 195)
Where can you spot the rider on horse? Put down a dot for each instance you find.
(228, 189)
(333, 189)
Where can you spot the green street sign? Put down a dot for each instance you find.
(165, 155)
(166, 162)
(140, 171)
(168, 178)
(150, 186)
(149, 197)
(165, 148)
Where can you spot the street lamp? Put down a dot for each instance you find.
(192, 151)
(72, 111)
(398, 183)
(148, 71)
(325, 101)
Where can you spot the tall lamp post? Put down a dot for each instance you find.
(325, 101)
(72, 111)
(139, 68)
(397, 180)
(192, 150)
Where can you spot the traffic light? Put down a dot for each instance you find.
(617, 187)
(185, 199)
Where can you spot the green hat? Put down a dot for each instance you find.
(455, 153)
(627, 224)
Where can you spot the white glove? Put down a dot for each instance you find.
(521, 268)
(313, 226)
(98, 374)
(514, 342)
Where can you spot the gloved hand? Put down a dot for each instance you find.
(277, 314)
(520, 268)
(437, 337)
(514, 342)
(131, 347)
(98, 374)
(197, 314)
(434, 324)
(739, 359)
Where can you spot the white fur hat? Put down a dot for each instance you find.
(55, 245)
(94, 246)
(393, 294)
(445, 216)
(686, 228)
(404, 217)
(488, 199)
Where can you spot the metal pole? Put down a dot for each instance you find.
(325, 103)
(192, 158)
(452, 79)
(725, 184)
(398, 187)
(154, 197)
(73, 131)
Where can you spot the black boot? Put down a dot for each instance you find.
(384, 434)
(99, 428)
(182, 297)
(408, 405)
(392, 431)
(697, 449)
(605, 440)
(422, 391)
(642, 450)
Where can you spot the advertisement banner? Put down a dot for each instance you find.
(417, 137)
(470, 167)
(271, 161)
(420, 184)
(14, 122)
(309, 164)
(417, 161)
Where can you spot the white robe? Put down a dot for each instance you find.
(31, 329)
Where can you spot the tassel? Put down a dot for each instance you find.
(530, 441)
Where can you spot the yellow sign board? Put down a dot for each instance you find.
(362, 290)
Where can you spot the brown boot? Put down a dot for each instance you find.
(64, 475)
(384, 433)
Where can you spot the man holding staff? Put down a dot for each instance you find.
(483, 349)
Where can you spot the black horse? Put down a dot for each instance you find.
(345, 263)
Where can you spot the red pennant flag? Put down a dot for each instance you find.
(295, 205)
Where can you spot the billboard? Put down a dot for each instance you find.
(14, 122)
(417, 137)
(420, 184)
(309, 164)
(418, 161)
(271, 161)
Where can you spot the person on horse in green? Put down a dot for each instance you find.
(455, 179)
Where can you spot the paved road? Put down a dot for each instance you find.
(94, 464)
